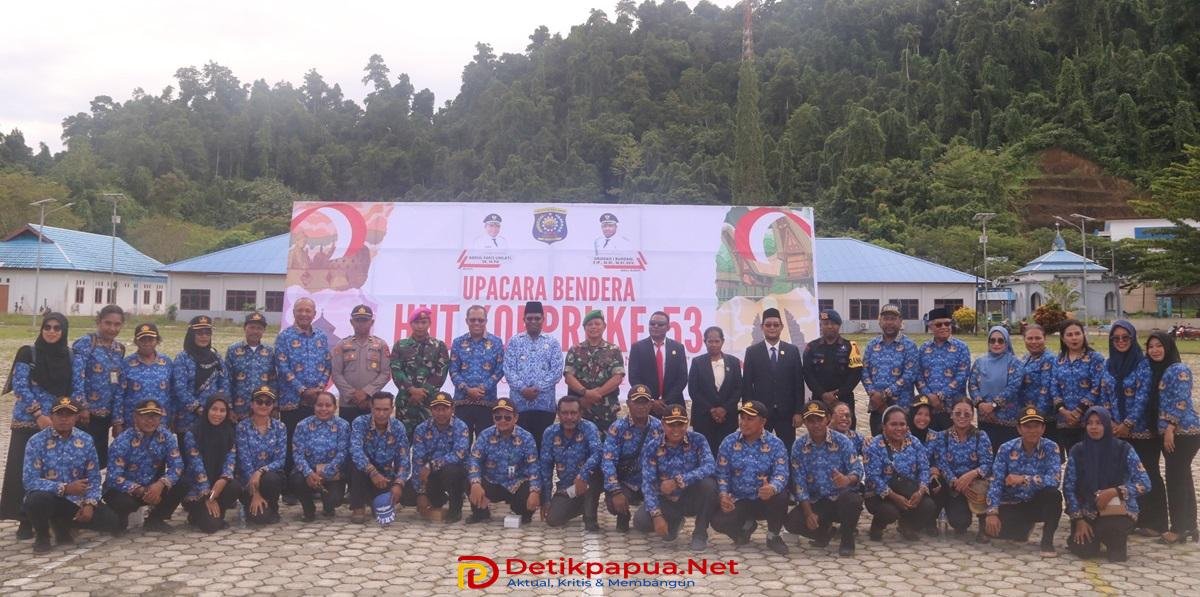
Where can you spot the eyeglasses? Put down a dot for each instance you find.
(262, 402)
(52, 328)
(502, 417)
(1121, 338)
(939, 324)
(476, 320)
(658, 324)
(996, 341)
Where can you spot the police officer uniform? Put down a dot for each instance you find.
(360, 364)
(833, 366)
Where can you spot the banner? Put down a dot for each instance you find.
(702, 265)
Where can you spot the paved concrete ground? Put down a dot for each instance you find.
(419, 557)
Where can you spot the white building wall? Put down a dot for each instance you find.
(218, 286)
(61, 290)
(925, 294)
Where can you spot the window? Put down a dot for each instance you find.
(111, 295)
(909, 308)
(824, 304)
(79, 294)
(193, 299)
(240, 300)
(158, 297)
(145, 297)
(274, 301)
(864, 308)
(99, 295)
(950, 305)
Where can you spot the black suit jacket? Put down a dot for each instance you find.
(643, 370)
(702, 387)
(780, 386)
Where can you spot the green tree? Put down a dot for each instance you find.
(749, 174)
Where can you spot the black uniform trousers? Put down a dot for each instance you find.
(1110, 531)
(270, 485)
(844, 509)
(1153, 504)
(536, 422)
(774, 511)
(562, 508)
(291, 418)
(446, 485)
(1017, 520)
(884, 512)
(517, 500)
(698, 499)
(46, 510)
(331, 493)
(124, 504)
(1181, 492)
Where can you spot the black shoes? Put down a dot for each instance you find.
(155, 525)
(24, 531)
(623, 523)
(452, 516)
(747, 530)
(480, 516)
(591, 525)
(41, 545)
(776, 544)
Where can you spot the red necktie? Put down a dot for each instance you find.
(658, 360)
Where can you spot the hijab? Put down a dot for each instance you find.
(207, 360)
(1122, 364)
(1170, 357)
(51, 362)
(993, 367)
(921, 434)
(1099, 463)
(214, 441)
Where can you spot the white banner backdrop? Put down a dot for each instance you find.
(703, 265)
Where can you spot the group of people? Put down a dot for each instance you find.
(210, 432)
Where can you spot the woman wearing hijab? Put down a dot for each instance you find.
(1125, 393)
(210, 460)
(147, 376)
(40, 375)
(995, 387)
(920, 417)
(1076, 384)
(198, 373)
(1171, 392)
(1103, 481)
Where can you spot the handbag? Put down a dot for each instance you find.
(1115, 507)
(631, 465)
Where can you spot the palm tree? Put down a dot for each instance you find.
(1060, 293)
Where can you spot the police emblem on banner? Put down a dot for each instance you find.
(549, 224)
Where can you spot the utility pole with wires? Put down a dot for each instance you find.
(116, 219)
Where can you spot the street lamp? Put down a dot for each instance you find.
(112, 272)
(37, 279)
(1082, 226)
(983, 218)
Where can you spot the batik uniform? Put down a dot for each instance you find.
(533, 362)
(436, 448)
(476, 363)
(52, 461)
(1042, 467)
(743, 466)
(956, 458)
(813, 465)
(97, 374)
(1137, 482)
(260, 451)
(569, 458)
(194, 471)
(1007, 404)
(881, 464)
(32, 401)
(1175, 401)
(1077, 384)
(302, 360)
(1137, 395)
(504, 461)
(944, 370)
(891, 368)
(622, 442)
(687, 463)
(138, 459)
(142, 381)
(249, 368)
(385, 452)
(318, 442)
(1037, 382)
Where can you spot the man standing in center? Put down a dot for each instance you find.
(476, 368)
(302, 365)
(774, 375)
(890, 367)
(533, 364)
(419, 365)
(832, 365)
(945, 364)
(660, 364)
(593, 370)
(360, 366)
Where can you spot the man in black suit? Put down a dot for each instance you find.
(660, 364)
(774, 375)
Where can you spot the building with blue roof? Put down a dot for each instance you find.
(855, 277)
(1059, 264)
(78, 270)
(227, 284)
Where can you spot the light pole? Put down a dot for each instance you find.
(983, 218)
(1082, 226)
(112, 271)
(37, 279)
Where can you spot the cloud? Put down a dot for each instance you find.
(57, 56)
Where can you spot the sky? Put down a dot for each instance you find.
(58, 55)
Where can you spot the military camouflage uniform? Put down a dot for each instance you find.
(419, 364)
(592, 366)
